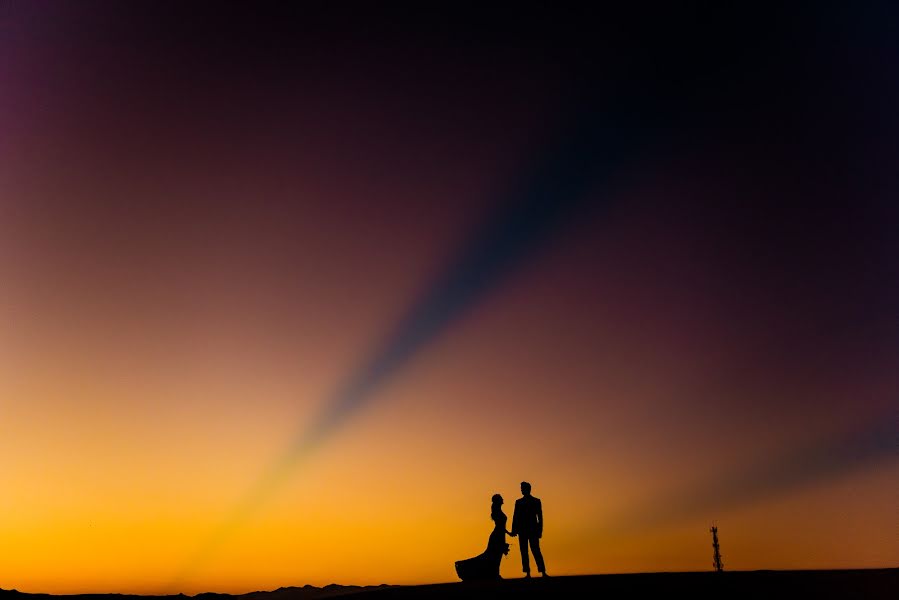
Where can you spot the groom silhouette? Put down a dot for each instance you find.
(527, 524)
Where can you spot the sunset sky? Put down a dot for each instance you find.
(286, 296)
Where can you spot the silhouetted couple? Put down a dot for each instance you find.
(527, 525)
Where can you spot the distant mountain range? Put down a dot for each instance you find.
(771, 585)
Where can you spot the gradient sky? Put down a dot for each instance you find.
(286, 296)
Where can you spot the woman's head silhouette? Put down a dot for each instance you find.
(495, 507)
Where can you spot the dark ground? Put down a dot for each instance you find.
(764, 585)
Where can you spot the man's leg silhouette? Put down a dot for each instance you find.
(538, 556)
(523, 546)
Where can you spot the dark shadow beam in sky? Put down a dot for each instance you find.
(662, 98)
(579, 165)
(829, 458)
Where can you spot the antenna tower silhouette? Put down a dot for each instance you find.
(719, 566)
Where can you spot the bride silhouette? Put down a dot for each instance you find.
(486, 565)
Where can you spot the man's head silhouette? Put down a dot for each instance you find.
(525, 488)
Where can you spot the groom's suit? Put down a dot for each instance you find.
(527, 523)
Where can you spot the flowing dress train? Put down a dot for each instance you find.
(486, 564)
